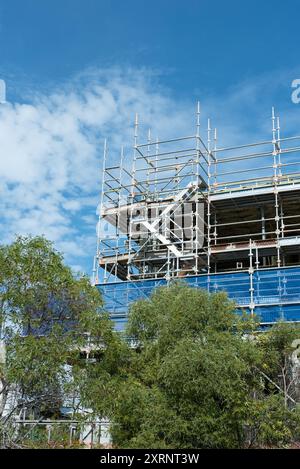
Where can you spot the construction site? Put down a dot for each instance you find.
(218, 218)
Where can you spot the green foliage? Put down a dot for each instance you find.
(38, 291)
(195, 378)
(271, 424)
(46, 314)
(277, 345)
(97, 378)
(194, 375)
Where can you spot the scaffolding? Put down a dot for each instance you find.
(189, 208)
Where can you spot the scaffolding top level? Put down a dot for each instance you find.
(159, 170)
(182, 206)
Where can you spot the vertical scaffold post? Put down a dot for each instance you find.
(208, 200)
(198, 183)
(275, 185)
(251, 272)
(156, 167)
(215, 157)
(278, 146)
(118, 215)
(132, 195)
(148, 162)
(97, 257)
(274, 143)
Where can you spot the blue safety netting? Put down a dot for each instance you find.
(273, 286)
(276, 293)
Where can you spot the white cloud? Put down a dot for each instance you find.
(51, 152)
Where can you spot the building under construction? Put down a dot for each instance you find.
(218, 218)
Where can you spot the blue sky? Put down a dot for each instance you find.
(76, 71)
(195, 44)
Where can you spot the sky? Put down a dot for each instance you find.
(77, 71)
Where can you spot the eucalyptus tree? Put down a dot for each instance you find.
(46, 314)
(201, 376)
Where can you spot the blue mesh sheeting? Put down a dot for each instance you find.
(277, 286)
(271, 314)
(118, 296)
(276, 293)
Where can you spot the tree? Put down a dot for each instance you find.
(279, 345)
(46, 314)
(196, 378)
(193, 375)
